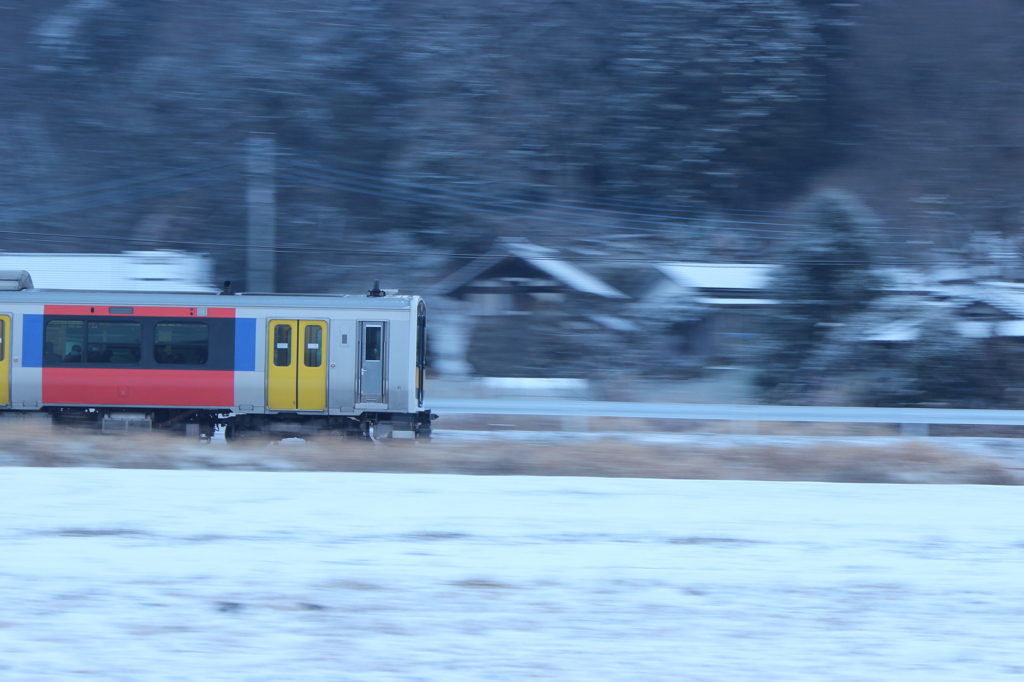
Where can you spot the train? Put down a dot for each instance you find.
(252, 365)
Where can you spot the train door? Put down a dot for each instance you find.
(421, 352)
(297, 365)
(5, 359)
(372, 361)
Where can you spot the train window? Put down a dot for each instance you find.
(181, 343)
(282, 345)
(313, 356)
(3, 335)
(373, 343)
(115, 343)
(63, 342)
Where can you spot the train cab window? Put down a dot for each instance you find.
(282, 345)
(181, 343)
(313, 356)
(115, 343)
(63, 342)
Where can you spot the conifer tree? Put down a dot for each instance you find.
(825, 279)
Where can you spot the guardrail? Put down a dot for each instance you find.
(913, 421)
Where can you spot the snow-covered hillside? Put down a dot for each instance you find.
(146, 575)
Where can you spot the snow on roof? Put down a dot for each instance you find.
(718, 275)
(999, 284)
(985, 329)
(729, 302)
(615, 323)
(128, 271)
(899, 330)
(540, 257)
(1007, 299)
(544, 259)
(1010, 328)
(910, 329)
(951, 273)
(465, 274)
(905, 279)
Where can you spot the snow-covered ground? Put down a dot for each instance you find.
(114, 574)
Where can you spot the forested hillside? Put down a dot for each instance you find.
(691, 110)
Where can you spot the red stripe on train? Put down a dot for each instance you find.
(148, 387)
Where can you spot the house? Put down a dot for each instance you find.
(518, 277)
(515, 278)
(731, 295)
(977, 308)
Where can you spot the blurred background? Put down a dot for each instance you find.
(792, 201)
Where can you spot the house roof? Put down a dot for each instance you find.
(719, 302)
(983, 329)
(466, 274)
(542, 258)
(897, 330)
(908, 327)
(749, 276)
(905, 280)
(615, 323)
(1002, 295)
(952, 273)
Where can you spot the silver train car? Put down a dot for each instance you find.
(254, 365)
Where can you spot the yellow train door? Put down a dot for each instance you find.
(296, 365)
(312, 366)
(5, 359)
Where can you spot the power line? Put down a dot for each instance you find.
(128, 182)
(307, 177)
(378, 184)
(108, 198)
(585, 201)
(545, 206)
(205, 175)
(404, 254)
(362, 188)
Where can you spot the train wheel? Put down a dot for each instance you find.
(370, 431)
(233, 433)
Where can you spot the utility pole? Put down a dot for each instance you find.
(261, 256)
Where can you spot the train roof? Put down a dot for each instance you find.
(211, 300)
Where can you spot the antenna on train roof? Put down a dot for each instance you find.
(376, 291)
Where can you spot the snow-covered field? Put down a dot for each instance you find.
(115, 574)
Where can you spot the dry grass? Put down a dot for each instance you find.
(809, 460)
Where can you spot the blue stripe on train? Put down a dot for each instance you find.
(245, 344)
(32, 341)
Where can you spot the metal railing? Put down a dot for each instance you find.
(912, 420)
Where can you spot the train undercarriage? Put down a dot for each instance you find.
(203, 424)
